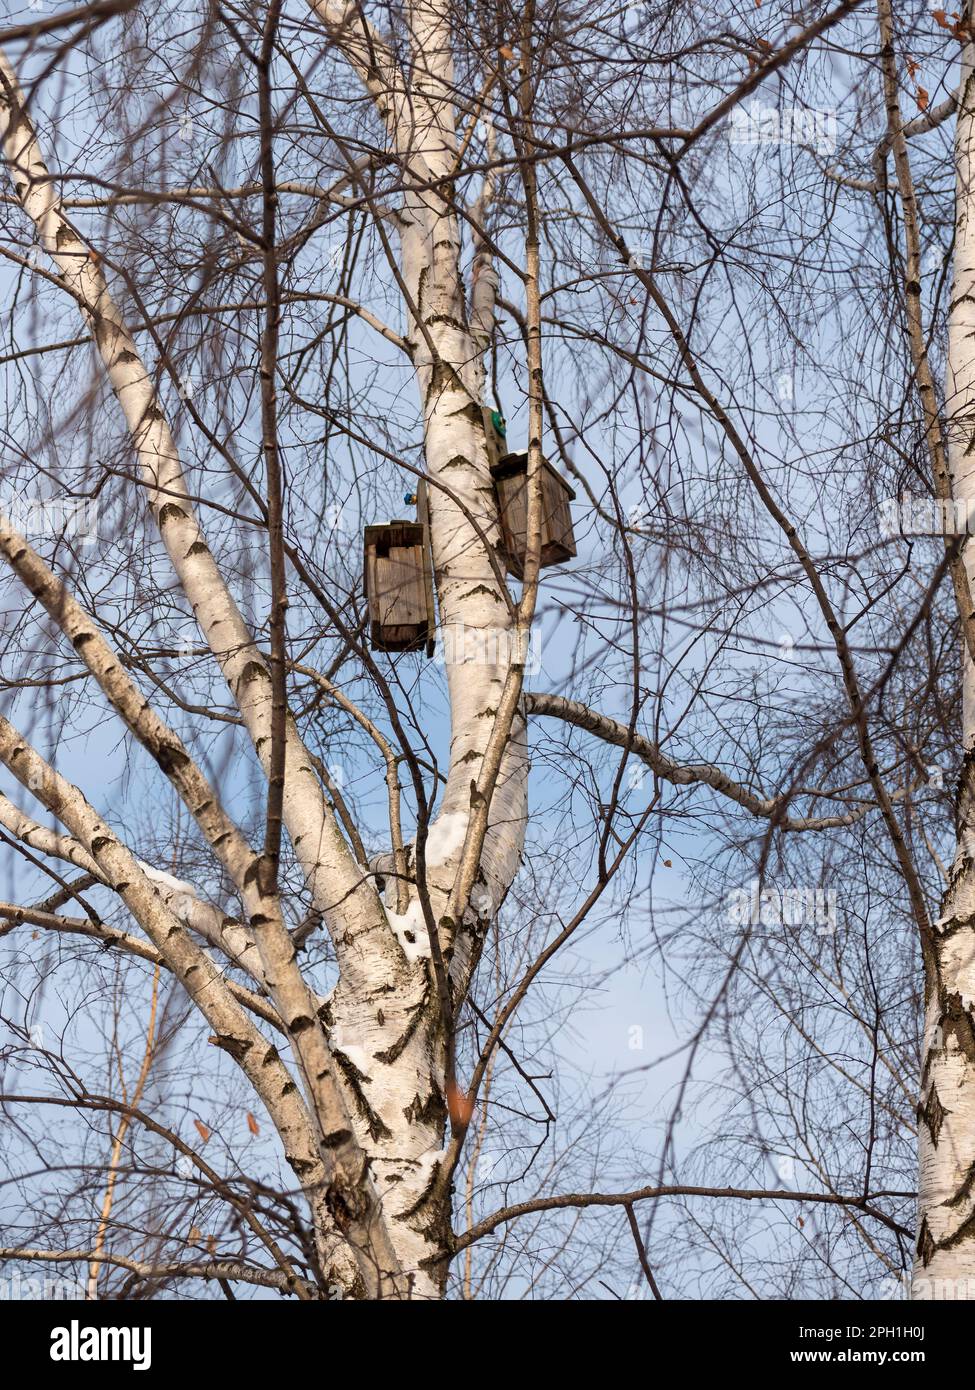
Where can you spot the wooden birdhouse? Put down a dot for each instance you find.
(399, 585)
(510, 476)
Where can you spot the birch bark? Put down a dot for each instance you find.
(403, 973)
(945, 1257)
(397, 1048)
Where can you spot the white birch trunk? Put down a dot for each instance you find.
(945, 1259)
(391, 1043)
(384, 1020)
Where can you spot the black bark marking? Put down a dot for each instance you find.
(956, 1021)
(392, 1053)
(376, 1126)
(253, 670)
(336, 1138)
(346, 1203)
(169, 511)
(481, 589)
(933, 1115)
(171, 758)
(238, 1048)
(925, 1244)
(428, 1110)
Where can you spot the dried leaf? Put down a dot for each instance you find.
(668, 863)
(459, 1106)
(202, 1129)
(212, 1244)
(252, 1124)
(922, 99)
(196, 1235)
(954, 24)
(507, 51)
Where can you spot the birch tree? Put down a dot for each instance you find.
(946, 1232)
